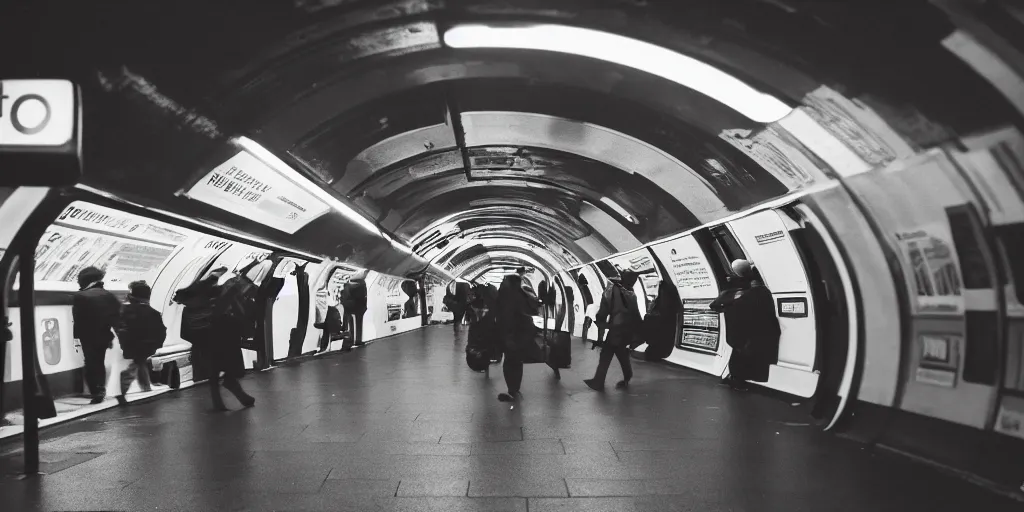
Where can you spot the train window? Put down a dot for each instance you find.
(1011, 238)
(729, 245)
(607, 269)
(974, 264)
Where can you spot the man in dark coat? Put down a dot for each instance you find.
(141, 332)
(621, 315)
(515, 308)
(751, 327)
(353, 299)
(95, 312)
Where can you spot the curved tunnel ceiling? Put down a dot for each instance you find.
(586, 156)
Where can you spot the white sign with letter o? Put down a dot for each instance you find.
(36, 112)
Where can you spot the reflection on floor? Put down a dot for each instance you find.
(75, 406)
(405, 425)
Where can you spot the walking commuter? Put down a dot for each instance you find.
(515, 309)
(457, 300)
(751, 327)
(214, 320)
(141, 332)
(353, 299)
(95, 312)
(620, 313)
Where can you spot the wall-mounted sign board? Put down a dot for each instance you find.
(40, 133)
(791, 307)
(245, 186)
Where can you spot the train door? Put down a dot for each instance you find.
(835, 328)
(696, 265)
(763, 238)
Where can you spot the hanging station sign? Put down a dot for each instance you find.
(245, 186)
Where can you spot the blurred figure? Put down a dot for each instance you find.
(457, 300)
(751, 327)
(96, 312)
(515, 308)
(482, 344)
(621, 315)
(332, 324)
(213, 321)
(353, 299)
(141, 332)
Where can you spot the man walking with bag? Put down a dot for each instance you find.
(621, 315)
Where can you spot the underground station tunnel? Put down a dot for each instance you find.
(516, 255)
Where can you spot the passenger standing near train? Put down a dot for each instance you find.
(332, 323)
(751, 327)
(515, 309)
(141, 332)
(213, 321)
(353, 299)
(457, 300)
(621, 315)
(95, 312)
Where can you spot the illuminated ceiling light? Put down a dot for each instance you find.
(619, 210)
(679, 68)
(295, 177)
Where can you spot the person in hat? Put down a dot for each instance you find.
(141, 332)
(95, 312)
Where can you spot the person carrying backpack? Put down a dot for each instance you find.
(141, 332)
(214, 320)
(621, 315)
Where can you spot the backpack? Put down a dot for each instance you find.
(238, 297)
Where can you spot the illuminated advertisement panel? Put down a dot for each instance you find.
(244, 185)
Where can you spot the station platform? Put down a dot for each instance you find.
(404, 425)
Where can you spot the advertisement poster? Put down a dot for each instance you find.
(63, 252)
(934, 269)
(92, 217)
(245, 184)
(690, 269)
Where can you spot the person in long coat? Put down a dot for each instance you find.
(217, 348)
(751, 326)
(515, 309)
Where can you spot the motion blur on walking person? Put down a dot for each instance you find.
(620, 314)
(215, 318)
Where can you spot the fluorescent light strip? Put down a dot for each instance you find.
(295, 177)
(619, 209)
(624, 51)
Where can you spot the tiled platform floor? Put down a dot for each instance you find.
(403, 424)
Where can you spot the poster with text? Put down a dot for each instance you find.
(245, 184)
(689, 268)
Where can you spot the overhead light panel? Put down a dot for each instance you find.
(625, 51)
(619, 210)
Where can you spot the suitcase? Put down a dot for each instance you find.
(477, 359)
(559, 350)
